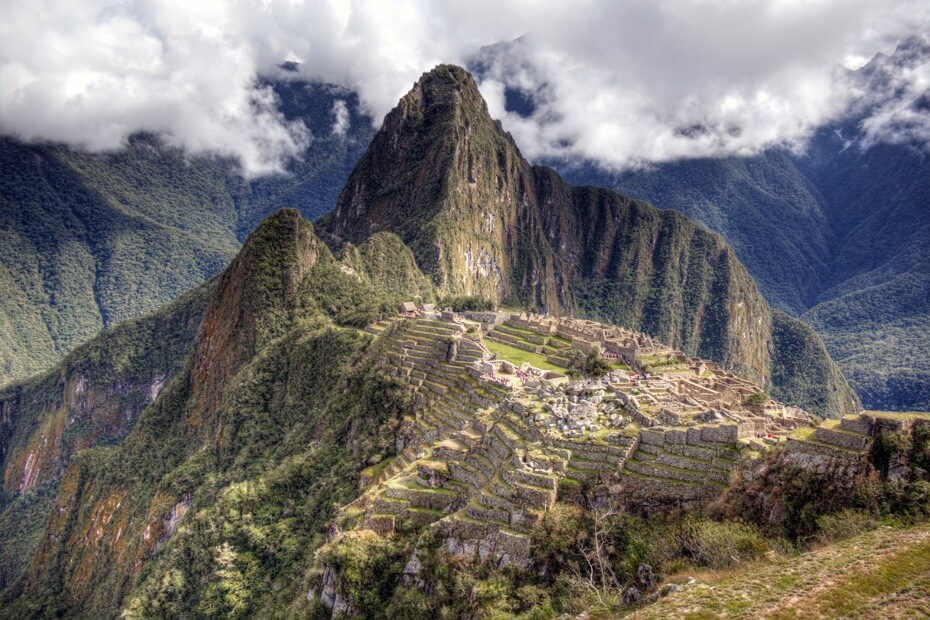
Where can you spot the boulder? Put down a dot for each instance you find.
(632, 595)
(646, 577)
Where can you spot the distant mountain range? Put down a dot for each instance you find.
(90, 240)
(838, 234)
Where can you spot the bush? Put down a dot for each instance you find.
(887, 445)
(844, 524)
(590, 365)
(754, 402)
(464, 303)
(720, 544)
(368, 567)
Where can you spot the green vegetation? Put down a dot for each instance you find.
(879, 573)
(517, 356)
(467, 302)
(258, 454)
(587, 365)
(878, 338)
(90, 240)
(803, 373)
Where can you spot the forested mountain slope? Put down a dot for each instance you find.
(251, 387)
(89, 240)
(838, 233)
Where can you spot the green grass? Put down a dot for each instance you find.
(883, 573)
(518, 356)
(901, 415)
(376, 470)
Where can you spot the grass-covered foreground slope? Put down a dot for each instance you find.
(245, 411)
(480, 220)
(881, 574)
(90, 240)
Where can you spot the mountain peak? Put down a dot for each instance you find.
(251, 302)
(481, 221)
(438, 169)
(446, 88)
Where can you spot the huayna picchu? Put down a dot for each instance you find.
(477, 392)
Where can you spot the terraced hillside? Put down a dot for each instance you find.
(494, 441)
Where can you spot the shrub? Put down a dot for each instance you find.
(467, 303)
(720, 544)
(368, 567)
(887, 445)
(754, 402)
(590, 365)
(844, 524)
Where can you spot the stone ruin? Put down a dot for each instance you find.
(491, 444)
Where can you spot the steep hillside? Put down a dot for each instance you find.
(249, 379)
(481, 220)
(838, 234)
(84, 248)
(94, 397)
(87, 241)
(763, 206)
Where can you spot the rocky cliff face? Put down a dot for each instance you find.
(480, 220)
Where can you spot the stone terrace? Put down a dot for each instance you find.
(491, 443)
(842, 445)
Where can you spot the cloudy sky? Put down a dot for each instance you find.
(623, 83)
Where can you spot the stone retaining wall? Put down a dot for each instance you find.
(844, 439)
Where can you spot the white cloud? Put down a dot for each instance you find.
(342, 119)
(621, 83)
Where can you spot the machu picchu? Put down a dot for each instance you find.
(470, 391)
(491, 440)
(503, 429)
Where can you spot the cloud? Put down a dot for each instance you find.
(341, 114)
(894, 104)
(619, 83)
(91, 75)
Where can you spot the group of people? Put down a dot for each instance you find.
(501, 380)
(522, 375)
